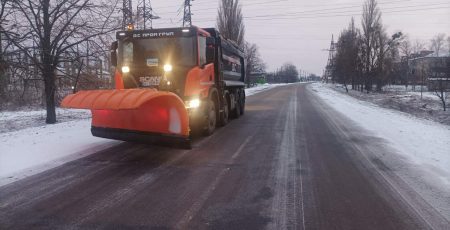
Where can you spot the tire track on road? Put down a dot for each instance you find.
(195, 208)
(284, 206)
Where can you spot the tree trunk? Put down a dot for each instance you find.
(442, 97)
(379, 85)
(49, 85)
(49, 68)
(368, 83)
(353, 83)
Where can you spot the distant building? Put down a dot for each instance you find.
(431, 70)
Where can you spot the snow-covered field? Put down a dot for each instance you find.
(27, 146)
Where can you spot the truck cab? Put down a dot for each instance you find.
(205, 70)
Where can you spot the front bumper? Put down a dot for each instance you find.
(142, 137)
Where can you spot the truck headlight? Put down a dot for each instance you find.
(125, 69)
(167, 68)
(192, 104)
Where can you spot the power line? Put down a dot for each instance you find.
(316, 6)
(338, 14)
(209, 8)
(321, 13)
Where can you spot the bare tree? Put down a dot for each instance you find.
(54, 27)
(230, 21)
(371, 27)
(387, 51)
(418, 46)
(405, 47)
(439, 79)
(253, 60)
(379, 49)
(437, 44)
(346, 59)
(441, 91)
(406, 50)
(5, 11)
(288, 73)
(448, 45)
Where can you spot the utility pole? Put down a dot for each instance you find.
(127, 14)
(187, 17)
(145, 15)
(330, 64)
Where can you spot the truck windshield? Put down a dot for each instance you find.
(142, 53)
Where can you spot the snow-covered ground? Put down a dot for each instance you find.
(16, 120)
(423, 145)
(423, 141)
(261, 88)
(28, 146)
(32, 150)
(408, 100)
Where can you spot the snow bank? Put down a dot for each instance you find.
(261, 88)
(33, 150)
(425, 143)
(16, 120)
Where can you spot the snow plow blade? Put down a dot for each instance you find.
(140, 115)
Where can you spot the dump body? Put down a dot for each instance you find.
(168, 82)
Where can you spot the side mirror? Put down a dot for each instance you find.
(210, 54)
(113, 51)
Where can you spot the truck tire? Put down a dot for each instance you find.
(237, 107)
(242, 102)
(225, 115)
(211, 118)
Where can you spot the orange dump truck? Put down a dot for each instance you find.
(169, 82)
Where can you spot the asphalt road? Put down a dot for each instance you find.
(290, 163)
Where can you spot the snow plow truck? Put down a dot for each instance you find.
(168, 83)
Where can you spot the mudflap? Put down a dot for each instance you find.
(138, 115)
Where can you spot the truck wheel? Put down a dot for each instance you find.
(211, 118)
(224, 117)
(237, 108)
(242, 102)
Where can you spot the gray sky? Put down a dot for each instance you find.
(298, 31)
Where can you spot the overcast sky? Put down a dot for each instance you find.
(298, 31)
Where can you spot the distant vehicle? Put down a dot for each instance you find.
(169, 82)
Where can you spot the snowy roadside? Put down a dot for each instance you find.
(408, 100)
(424, 142)
(33, 150)
(29, 147)
(261, 88)
(420, 149)
(17, 120)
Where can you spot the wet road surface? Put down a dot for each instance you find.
(290, 162)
